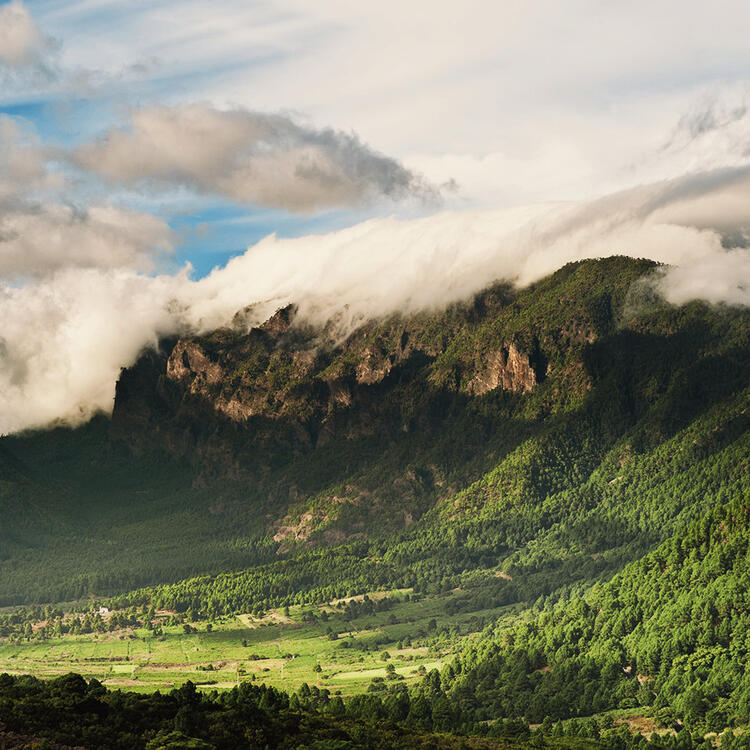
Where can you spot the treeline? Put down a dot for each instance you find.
(313, 577)
(70, 711)
(41, 624)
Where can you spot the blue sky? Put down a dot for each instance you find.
(209, 237)
(208, 230)
(81, 101)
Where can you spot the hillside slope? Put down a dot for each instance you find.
(670, 631)
(546, 431)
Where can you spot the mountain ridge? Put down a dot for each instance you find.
(554, 466)
(393, 430)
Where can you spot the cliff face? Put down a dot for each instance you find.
(510, 369)
(279, 377)
(233, 394)
(225, 370)
(286, 410)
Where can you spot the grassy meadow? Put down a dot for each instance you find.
(318, 645)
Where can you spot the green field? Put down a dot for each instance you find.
(280, 649)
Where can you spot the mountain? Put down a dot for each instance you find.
(244, 446)
(577, 450)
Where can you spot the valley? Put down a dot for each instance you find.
(283, 649)
(523, 519)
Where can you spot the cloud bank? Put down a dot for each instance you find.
(78, 295)
(249, 157)
(64, 337)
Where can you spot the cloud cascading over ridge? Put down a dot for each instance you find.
(84, 222)
(249, 157)
(64, 337)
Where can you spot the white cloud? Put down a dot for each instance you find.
(518, 101)
(546, 87)
(521, 103)
(22, 162)
(36, 241)
(64, 337)
(21, 42)
(40, 235)
(249, 157)
(719, 278)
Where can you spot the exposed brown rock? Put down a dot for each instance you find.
(374, 366)
(341, 394)
(297, 532)
(507, 368)
(190, 365)
(280, 322)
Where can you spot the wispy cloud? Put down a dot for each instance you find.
(22, 162)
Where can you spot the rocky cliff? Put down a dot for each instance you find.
(238, 403)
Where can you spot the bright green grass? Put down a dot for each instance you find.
(282, 651)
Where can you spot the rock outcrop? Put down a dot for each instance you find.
(281, 407)
(277, 383)
(510, 369)
(191, 366)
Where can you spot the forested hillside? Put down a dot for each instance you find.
(467, 433)
(670, 631)
(578, 449)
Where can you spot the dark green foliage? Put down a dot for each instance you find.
(71, 711)
(480, 475)
(670, 631)
(68, 710)
(82, 515)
